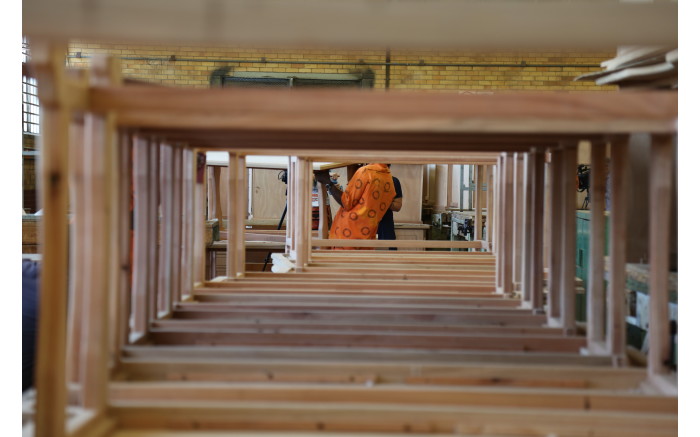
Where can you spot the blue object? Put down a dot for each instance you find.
(30, 306)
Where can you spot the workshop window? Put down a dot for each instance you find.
(245, 79)
(30, 100)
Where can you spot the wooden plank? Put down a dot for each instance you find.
(519, 210)
(237, 369)
(482, 26)
(142, 261)
(125, 238)
(238, 211)
(616, 330)
(567, 214)
(508, 220)
(525, 226)
(198, 220)
(186, 277)
(478, 200)
(401, 244)
(152, 217)
(537, 267)
(550, 399)
(178, 215)
(78, 249)
(389, 418)
(165, 254)
(595, 303)
(490, 170)
(660, 194)
(51, 336)
(555, 267)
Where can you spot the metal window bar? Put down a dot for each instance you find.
(30, 106)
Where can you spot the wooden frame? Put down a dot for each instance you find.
(441, 306)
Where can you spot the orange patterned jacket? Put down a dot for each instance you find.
(365, 201)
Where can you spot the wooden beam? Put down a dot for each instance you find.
(525, 225)
(422, 115)
(152, 217)
(423, 244)
(490, 170)
(51, 337)
(186, 277)
(617, 245)
(507, 214)
(443, 24)
(537, 266)
(660, 194)
(595, 304)
(567, 258)
(143, 268)
(555, 229)
(178, 213)
(519, 187)
(237, 213)
(125, 242)
(165, 253)
(199, 211)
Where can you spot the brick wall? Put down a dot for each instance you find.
(193, 66)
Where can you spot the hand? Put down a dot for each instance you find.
(323, 177)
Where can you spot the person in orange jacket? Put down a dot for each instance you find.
(364, 202)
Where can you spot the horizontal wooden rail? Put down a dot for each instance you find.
(421, 244)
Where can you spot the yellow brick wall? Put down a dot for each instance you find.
(192, 66)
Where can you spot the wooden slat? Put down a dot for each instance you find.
(143, 269)
(186, 277)
(125, 239)
(537, 265)
(507, 215)
(178, 213)
(595, 306)
(198, 221)
(519, 185)
(660, 193)
(525, 224)
(152, 218)
(490, 170)
(165, 253)
(51, 335)
(555, 267)
(238, 211)
(257, 110)
(616, 330)
(567, 258)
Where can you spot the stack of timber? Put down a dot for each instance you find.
(382, 342)
(639, 67)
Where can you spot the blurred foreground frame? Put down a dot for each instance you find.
(118, 379)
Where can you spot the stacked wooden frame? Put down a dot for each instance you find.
(133, 340)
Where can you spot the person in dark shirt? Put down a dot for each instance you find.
(386, 229)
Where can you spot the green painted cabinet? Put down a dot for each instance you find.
(583, 236)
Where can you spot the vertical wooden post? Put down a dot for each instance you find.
(595, 303)
(659, 247)
(498, 220)
(186, 275)
(568, 240)
(166, 230)
(153, 197)
(51, 337)
(302, 220)
(217, 197)
(322, 219)
(537, 265)
(555, 220)
(124, 238)
(237, 212)
(490, 170)
(507, 232)
(290, 247)
(143, 269)
(519, 210)
(199, 211)
(525, 227)
(478, 216)
(175, 284)
(78, 249)
(617, 250)
(547, 215)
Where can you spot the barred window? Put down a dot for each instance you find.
(30, 100)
